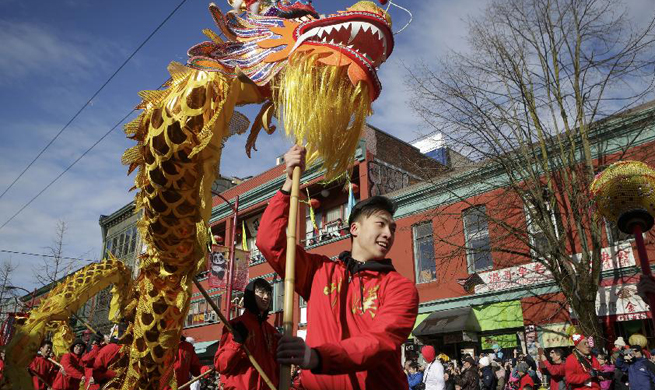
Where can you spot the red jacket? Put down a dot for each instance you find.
(556, 372)
(186, 363)
(234, 366)
(87, 362)
(74, 370)
(525, 381)
(105, 357)
(44, 369)
(577, 376)
(356, 323)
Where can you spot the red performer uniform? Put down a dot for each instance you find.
(72, 365)
(45, 370)
(186, 363)
(106, 356)
(556, 372)
(231, 360)
(358, 314)
(577, 372)
(87, 362)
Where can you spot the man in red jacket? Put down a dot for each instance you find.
(253, 331)
(43, 371)
(581, 366)
(360, 309)
(556, 370)
(186, 362)
(71, 363)
(97, 342)
(106, 356)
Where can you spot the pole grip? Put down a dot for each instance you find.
(290, 272)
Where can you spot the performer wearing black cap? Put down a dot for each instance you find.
(71, 363)
(253, 331)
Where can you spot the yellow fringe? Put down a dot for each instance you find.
(319, 107)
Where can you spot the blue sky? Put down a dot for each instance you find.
(55, 55)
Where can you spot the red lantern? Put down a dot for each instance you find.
(315, 203)
(218, 239)
(355, 188)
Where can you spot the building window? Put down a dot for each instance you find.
(114, 246)
(333, 215)
(311, 235)
(426, 267)
(133, 243)
(476, 236)
(128, 238)
(278, 295)
(108, 249)
(539, 244)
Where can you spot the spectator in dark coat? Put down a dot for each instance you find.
(489, 379)
(640, 374)
(469, 379)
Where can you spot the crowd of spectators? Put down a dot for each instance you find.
(581, 367)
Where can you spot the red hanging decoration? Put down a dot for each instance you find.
(315, 203)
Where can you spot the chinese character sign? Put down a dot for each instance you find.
(534, 273)
(217, 265)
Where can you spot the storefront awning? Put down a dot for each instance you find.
(202, 346)
(446, 321)
(419, 319)
(499, 315)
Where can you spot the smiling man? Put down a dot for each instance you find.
(359, 308)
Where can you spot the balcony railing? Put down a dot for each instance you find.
(331, 232)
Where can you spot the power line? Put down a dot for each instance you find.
(42, 255)
(91, 99)
(67, 169)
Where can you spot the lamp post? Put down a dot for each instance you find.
(230, 273)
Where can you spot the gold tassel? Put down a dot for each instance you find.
(323, 110)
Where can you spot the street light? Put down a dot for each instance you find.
(230, 272)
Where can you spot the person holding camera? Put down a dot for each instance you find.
(581, 367)
(641, 375)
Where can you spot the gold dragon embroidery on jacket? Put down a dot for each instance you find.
(370, 302)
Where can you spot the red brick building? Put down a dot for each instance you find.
(517, 302)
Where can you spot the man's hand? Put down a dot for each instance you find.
(293, 350)
(295, 157)
(240, 333)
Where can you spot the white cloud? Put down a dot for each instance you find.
(437, 27)
(35, 50)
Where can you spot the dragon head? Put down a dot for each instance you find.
(260, 46)
(326, 66)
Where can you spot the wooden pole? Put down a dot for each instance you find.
(196, 379)
(88, 326)
(290, 273)
(224, 320)
(230, 272)
(56, 363)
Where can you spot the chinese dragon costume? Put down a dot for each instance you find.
(317, 75)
